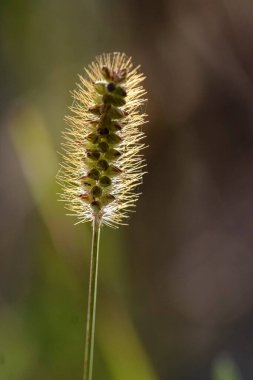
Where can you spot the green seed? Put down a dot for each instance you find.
(92, 137)
(94, 174)
(105, 119)
(107, 98)
(114, 100)
(96, 191)
(105, 181)
(113, 171)
(96, 205)
(86, 182)
(116, 113)
(103, 146)
(112, 154)
(106, 199)
(103, 131)
(103, 164)
(112, 138)
(118, 101)
(116, 126)
(96, 110)
(93, 154)
(120, 91)
(100, 87)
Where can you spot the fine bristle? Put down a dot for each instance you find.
(102, 164)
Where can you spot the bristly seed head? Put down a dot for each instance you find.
(102, 164)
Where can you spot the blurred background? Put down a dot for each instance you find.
(175, 298)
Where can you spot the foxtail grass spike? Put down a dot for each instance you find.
(102, 161)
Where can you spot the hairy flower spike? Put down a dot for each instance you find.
(102, 164)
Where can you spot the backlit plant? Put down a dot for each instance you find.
(102, 161)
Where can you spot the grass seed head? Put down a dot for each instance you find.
(102, 162)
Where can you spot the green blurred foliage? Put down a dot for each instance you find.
(224, 368)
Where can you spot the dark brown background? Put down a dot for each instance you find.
(176, 287)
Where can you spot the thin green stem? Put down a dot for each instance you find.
(91, 313)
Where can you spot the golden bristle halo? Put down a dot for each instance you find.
(102, 161)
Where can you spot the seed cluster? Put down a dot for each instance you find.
(102, 164)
